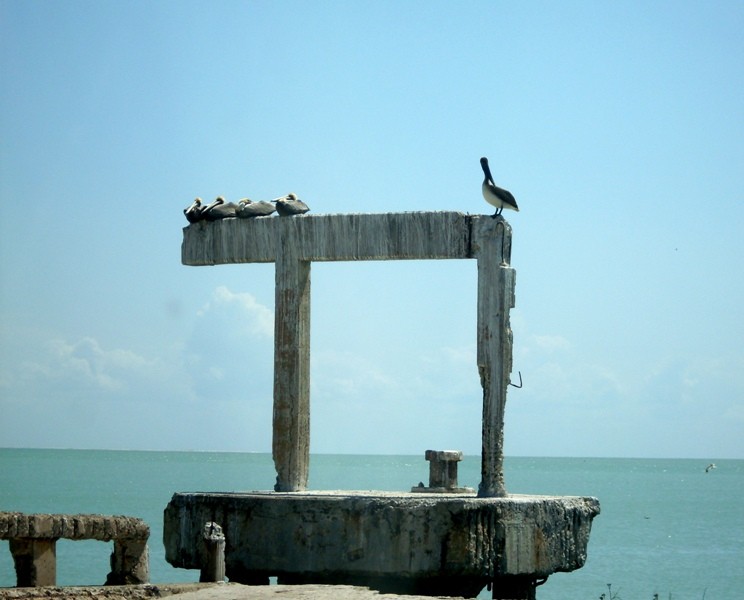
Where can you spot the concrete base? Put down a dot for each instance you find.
(453, 544)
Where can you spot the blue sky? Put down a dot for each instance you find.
(619, 127)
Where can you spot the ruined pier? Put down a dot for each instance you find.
(451, 542)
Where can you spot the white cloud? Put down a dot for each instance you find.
(242, 310)
(83, 364)
(230, 352)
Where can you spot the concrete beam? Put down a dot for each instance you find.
(386, 236)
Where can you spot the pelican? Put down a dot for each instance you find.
(195, 212)
(493, 194)
(219, 209)
(248, 208)
(290, 205)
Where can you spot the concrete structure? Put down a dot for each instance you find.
(449, 543)
(453, 544)
(213, 567)
(293, 243)
(442, 473)
(33, 539)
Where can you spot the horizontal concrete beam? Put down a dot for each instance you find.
(338, 237)
(72, 527)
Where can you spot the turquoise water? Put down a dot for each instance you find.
(666, 526)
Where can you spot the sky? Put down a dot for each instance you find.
(618, 127)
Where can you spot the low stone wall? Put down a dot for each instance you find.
(33, 540)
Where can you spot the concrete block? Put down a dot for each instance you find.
(396, 542)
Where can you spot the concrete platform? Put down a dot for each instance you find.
(453, 544)
(202, 591)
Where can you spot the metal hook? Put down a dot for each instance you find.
(520, 381)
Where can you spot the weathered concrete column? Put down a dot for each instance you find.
(214, 542)
(130, 562)
(291, 435)
(496, 279)
(35, 561)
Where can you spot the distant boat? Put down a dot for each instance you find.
(710, 467)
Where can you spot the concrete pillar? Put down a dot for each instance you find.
(496, 281)
(130, 563)
(214, 543)
(35, 561)
(291, 433)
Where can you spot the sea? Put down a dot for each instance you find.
(667, 529)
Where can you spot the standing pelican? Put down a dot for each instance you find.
(495, 195)
(290, 205)
(195, 212)
(247, 208)
(219, 209)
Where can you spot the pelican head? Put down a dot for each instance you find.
(194, 212)
(217, 201)
(291, 197)
(219, 209)
(486, 169)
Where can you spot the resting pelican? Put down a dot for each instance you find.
(195, 212)
(290, 205)
(219, 209)
(495, 195)
(247, 208)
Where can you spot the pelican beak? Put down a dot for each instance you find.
(217, 201)
(193, 206)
